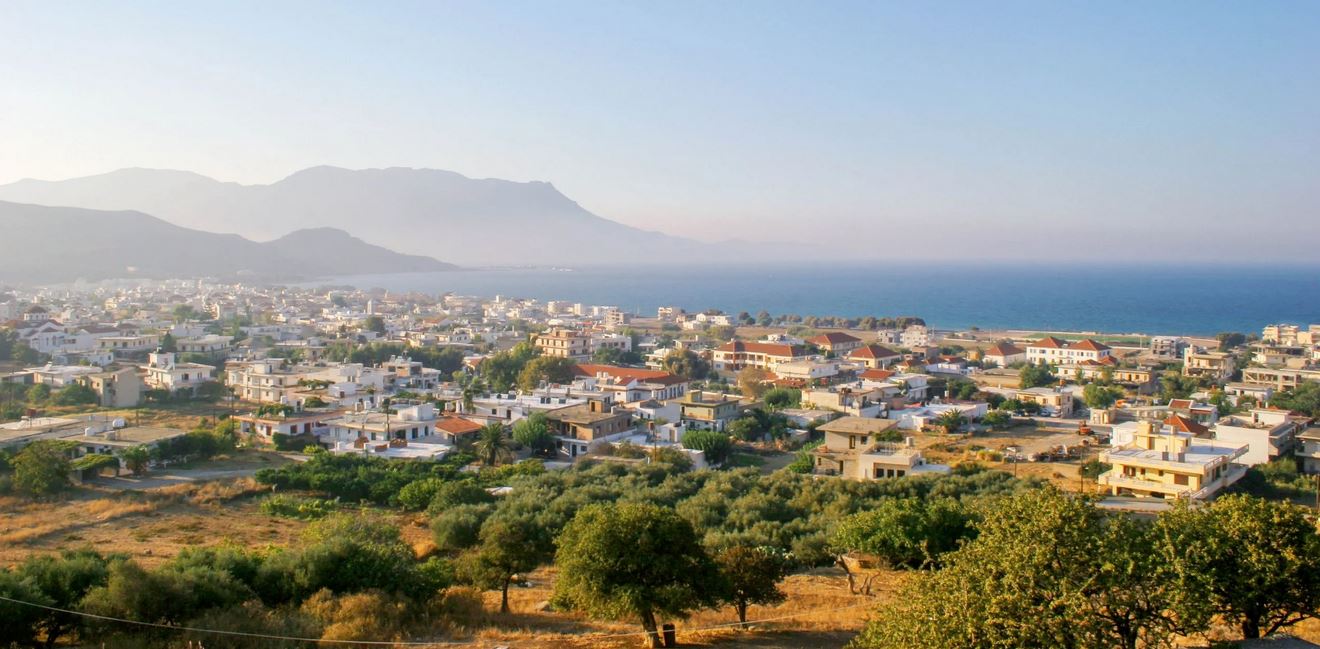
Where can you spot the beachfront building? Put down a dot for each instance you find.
(1003, 354)
(1216, 366)
(1164, 463)
(1057, 351)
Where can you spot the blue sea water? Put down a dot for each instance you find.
(1151, 299)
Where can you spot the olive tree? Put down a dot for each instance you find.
(634, 560)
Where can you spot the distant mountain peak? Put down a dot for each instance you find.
(421, 211)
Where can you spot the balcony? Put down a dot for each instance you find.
(1116, 479)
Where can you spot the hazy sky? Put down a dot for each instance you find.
(1001, 122)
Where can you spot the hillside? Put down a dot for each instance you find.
(55, 244)
(421, 211)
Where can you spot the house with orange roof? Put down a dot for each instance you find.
(1003, 354)
(628, 384)
(1183, 424)
(1057, 351)
(874, 356)
(836, 342)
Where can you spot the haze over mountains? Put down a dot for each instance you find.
(439, 214)
(58, 244)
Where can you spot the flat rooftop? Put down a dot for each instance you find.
(1196, 455)
(131, 436)
(857, 426)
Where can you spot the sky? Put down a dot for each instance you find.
(946, 126)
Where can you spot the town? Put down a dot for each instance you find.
(129, 390)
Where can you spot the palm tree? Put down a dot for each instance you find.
(950, 421)
(492, 446)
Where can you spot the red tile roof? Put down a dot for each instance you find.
(1185, 425)
(1049, 342)
(1004, 349)
(769, 349)
(629, 374)
(834, 338)
(873, 351)
(1090, 345)
(456, 425)
(876, 375)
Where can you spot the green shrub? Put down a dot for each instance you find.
(300, 507)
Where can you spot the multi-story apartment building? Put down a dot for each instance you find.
(1164, 463)
(1291, 335)
(618, 342)
(129, 345)
(1167, 346)
(1214, 365)
(852, 449)
(164, 372)
(564, 343)
(708, 410)
(1308, 449)
(737, 355)
(1268, 433)
(576, 427)
(1278, 378)
(1091, 371)
(270, 380)
(1053, 401)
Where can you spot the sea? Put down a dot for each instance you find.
(1118, 299)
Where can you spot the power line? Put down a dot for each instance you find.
(265, 636)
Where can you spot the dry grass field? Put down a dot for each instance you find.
(818, 612)
(151, 526)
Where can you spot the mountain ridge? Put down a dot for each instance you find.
(432, 212)
(57, 244)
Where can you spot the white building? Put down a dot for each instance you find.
(165, 373)
(1267, 433)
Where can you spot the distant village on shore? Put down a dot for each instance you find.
(414, 377)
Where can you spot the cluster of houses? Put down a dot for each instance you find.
(866, 393)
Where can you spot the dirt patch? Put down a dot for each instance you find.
(151, 526)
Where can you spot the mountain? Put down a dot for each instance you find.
(421, 211)
(56, 244)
